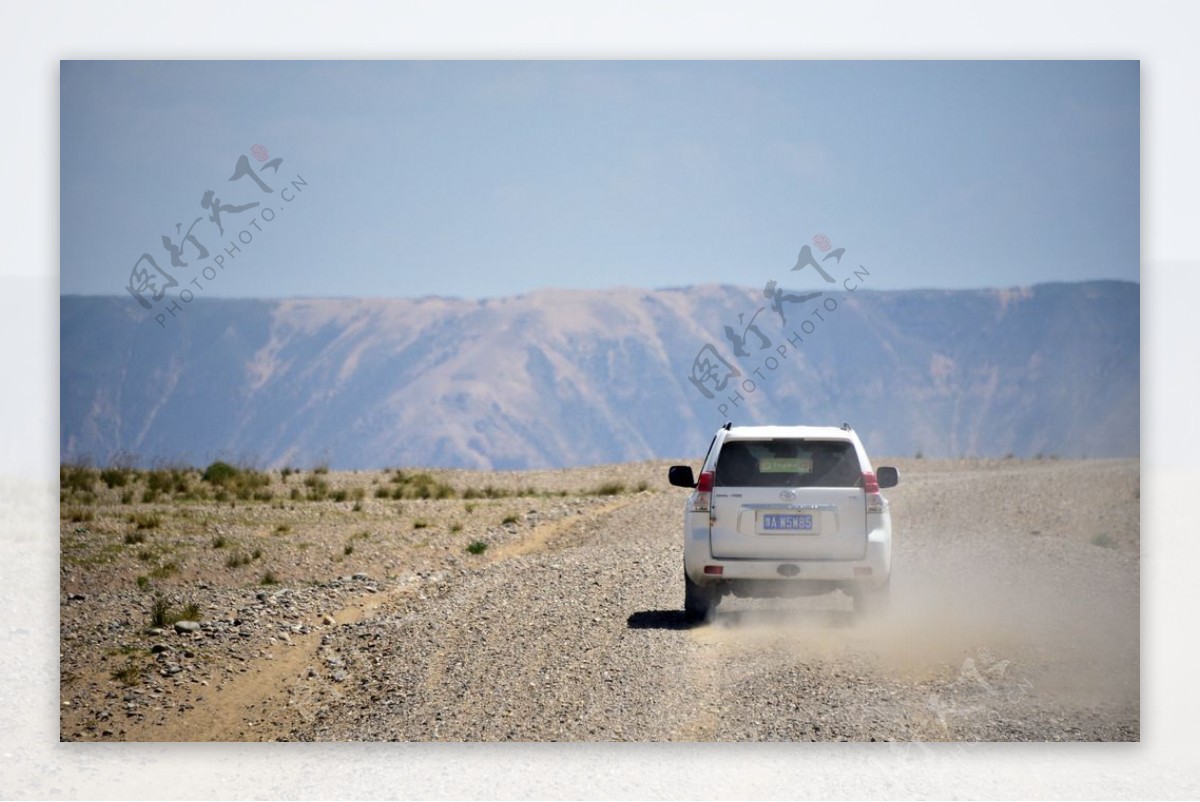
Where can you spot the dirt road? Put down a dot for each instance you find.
(1015, 617)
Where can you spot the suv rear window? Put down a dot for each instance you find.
(788, 463)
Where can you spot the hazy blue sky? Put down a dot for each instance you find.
(482, 179)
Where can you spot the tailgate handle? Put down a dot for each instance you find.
(820, 507)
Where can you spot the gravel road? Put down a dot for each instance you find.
(1015, 617)
(1008, 625)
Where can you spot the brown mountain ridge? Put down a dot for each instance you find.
(559, 378)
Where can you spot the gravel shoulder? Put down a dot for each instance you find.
(1015, 617)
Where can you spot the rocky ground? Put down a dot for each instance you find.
(546, 605)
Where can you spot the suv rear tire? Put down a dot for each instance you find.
(698, 600)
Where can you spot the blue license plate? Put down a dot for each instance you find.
(777, 522)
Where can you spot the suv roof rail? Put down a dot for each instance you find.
(728, 425)
(846, 427)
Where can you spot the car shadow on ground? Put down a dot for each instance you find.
(660, 619)
(747, 619)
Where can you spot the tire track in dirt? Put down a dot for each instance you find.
(536, 647)
(261, 703)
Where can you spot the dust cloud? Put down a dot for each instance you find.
(1069, 628)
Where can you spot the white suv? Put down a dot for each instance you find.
(785, 510)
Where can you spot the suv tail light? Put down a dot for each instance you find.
(704, 486)
(875, 502)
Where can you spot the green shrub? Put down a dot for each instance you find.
(128, 674)
(318, 489)
(197, 493)
(114, 477)
(146, 520)
(220, 473)
(168, 480)
(165, 570)
(477, 547)
(420, 485)
(161, 614)
(158, 481)
(76, 478)
(77, 515)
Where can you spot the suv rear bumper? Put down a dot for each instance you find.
(871, 571)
